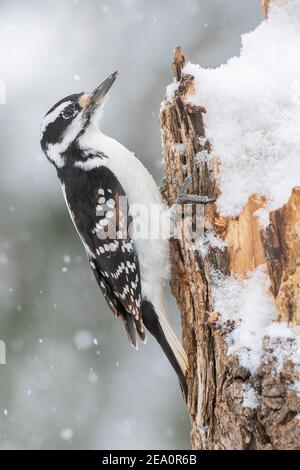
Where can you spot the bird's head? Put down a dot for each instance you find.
(68, 119)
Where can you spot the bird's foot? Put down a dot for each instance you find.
(186, 198)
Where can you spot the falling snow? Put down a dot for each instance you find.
(250, 397)
(67, 434)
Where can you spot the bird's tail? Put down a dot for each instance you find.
(159, 327)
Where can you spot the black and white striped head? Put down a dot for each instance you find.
(68, 119)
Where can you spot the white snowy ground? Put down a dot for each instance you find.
(253, 122)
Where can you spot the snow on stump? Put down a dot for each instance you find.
(237, 128)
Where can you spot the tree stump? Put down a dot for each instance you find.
(216, 380)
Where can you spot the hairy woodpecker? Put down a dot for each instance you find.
(95, 171)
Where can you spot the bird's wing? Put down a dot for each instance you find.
(102, 220)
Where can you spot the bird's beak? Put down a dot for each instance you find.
(97, 97)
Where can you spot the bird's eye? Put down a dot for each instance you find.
(69, 112)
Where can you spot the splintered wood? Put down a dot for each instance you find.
(267, 4)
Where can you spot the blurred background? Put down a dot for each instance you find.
(71, 379)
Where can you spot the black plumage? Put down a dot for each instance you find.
(94, 198)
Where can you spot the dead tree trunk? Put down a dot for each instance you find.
(220, 419)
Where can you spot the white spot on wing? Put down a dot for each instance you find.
(89, 164)
(111, 203)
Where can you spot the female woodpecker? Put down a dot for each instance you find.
(98, 174)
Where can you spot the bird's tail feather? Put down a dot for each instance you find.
(162, 331)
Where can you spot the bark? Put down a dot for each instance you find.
(215, 380)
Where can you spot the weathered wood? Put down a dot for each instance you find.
(215, 380)
(267, 4)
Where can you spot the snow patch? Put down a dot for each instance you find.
(263, 215)
(248, 304)
(180, 148)
(248, 314)
(204, 156)
(209, 239)
(250, 397)
(171, 90)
